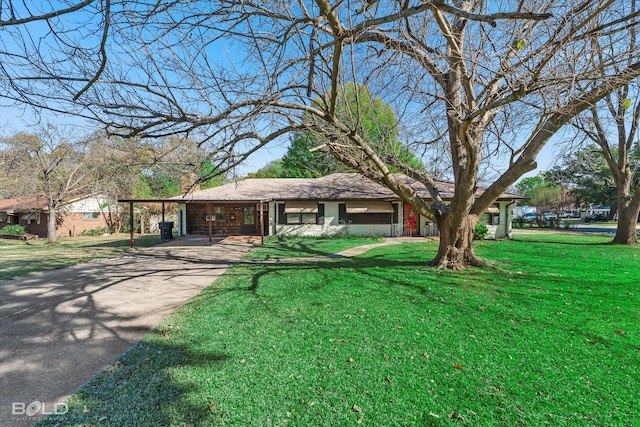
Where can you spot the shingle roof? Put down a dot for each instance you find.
(338, 186)
(22, 203)
(35, 203)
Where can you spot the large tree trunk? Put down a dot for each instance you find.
(456, 238)
(628, 210)
(51, 224)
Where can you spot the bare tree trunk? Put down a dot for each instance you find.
(628, 210)
(51, 223)
(456, 237)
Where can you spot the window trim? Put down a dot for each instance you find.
(300, 206)
(90, 216)
(216, 216)
(302, 209)
(31, 216)
(370, 218)
(370, 207)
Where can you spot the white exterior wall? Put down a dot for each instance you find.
(332, 226)
(376, 229)
(505, 227)
(492, 230)
(90, 204)
(182, 219)
(271, 218)
(427, 228)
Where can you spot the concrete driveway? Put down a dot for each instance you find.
(58, 329)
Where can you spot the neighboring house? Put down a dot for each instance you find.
(342, 203)
(80, 214)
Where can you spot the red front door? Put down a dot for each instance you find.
(410, 221)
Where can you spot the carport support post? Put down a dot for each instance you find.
(132, 241)
(210, 222)
(261, 222)
(163, 224)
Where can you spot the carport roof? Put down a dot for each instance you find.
(338, 186)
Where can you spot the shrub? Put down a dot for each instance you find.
(13, 229)
(480, 232)
(520, 221)
(96, 231)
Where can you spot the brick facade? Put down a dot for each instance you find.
(80, 215)
(237, 219)
(74, 224)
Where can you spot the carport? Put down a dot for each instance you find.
(232, 216)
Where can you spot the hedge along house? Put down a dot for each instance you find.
(342, 203)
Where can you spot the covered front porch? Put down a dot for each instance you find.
(223, 218)
(212, 218)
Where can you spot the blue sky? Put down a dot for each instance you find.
(16, 119)
(22, 119)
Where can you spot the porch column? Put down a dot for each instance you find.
(261, 223)
(508, 225)
(132, 241)
(210, 222)
(163, 224)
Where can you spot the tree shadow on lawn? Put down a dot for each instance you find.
(327, 270)
(549, 240)
(301, 246)
(529, 296)
(138, 389)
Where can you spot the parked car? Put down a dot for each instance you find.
(530, 217)
(596, 217)
(549, 215)
(572, 214)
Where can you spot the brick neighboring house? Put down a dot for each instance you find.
(80, 214)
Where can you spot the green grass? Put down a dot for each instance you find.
(294, 246)
(566, 237)
(548, 337)
(24, 258)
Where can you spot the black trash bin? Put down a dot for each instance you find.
(166, 230)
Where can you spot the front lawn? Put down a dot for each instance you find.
(549, 336)
(278, 247)
(20, 259)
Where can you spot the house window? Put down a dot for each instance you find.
(217, 214)
(370, 218)
(491, 216)
(31, 218)
(321, 213)
(282, 218)
(302, 218)
(90, 216)
(3, 217)
(301, 212)
(370, 212)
